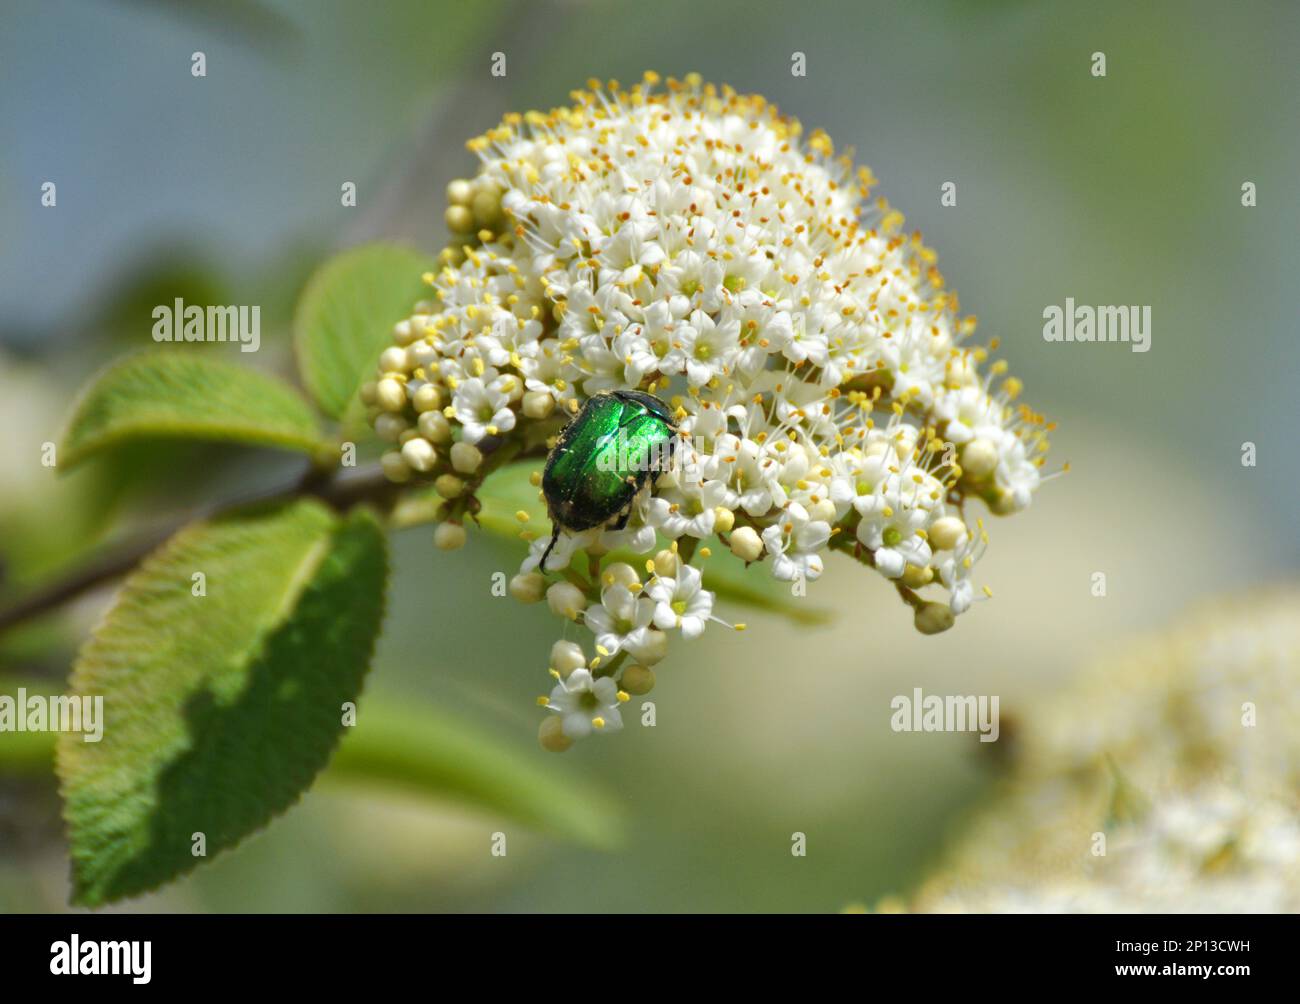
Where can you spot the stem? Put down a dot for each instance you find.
(611, 667)
(909, 596)
(574, 576)
(341, 490)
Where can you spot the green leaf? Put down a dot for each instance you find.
(508, 491)
(428, 753)
(219, 709)
(421, 751)
(179, 394)
(346, 315)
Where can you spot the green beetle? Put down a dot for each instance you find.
(617, 443)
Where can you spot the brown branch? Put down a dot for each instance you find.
(341, 490)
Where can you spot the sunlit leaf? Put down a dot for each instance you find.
(178, 394)
(346, 315)
(220, 708)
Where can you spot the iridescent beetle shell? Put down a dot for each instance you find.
(618, 442)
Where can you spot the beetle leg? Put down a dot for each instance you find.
(555, 535)
(622, 520)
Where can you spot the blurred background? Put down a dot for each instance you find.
(225, 189)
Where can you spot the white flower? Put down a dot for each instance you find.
(561, 554)
(586, 704)
(693, 243)
(635, 537)
(680, 602)
(793, 541)
(753, 477)
(545, 370)
(804, 341)
(708, 348)
(683, 512)
(894, 537)
(620, 621)
(1198, 812)
(994, 444)
(955, 569)
(482, 410)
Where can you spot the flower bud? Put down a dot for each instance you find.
(434, 427)
(394, 466)
(538, 404)
(620, 574)
(460, 192)
(1004, 503)
(723, 519)
(486, 205)
(979, 457)
(390, 394)
(449, 537)
(423, 353)
(566, 656)
(428, 398)
(916, 576)
(653, 649)
(637, 680)
(823, 509)
(459, 220)
(947, 533)
(367, 392)
(746, 543)
(551, 735)
(566, 600)
(389, 427)
(466, 457)
(449, 486)
(419, 454)
(392, 360)
(933, 618)
(667, 563)
(528, 587)
(403, 333)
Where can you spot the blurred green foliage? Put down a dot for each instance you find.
(1117, 190)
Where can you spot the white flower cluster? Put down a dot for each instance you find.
(689, 242)
(1184, 755)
